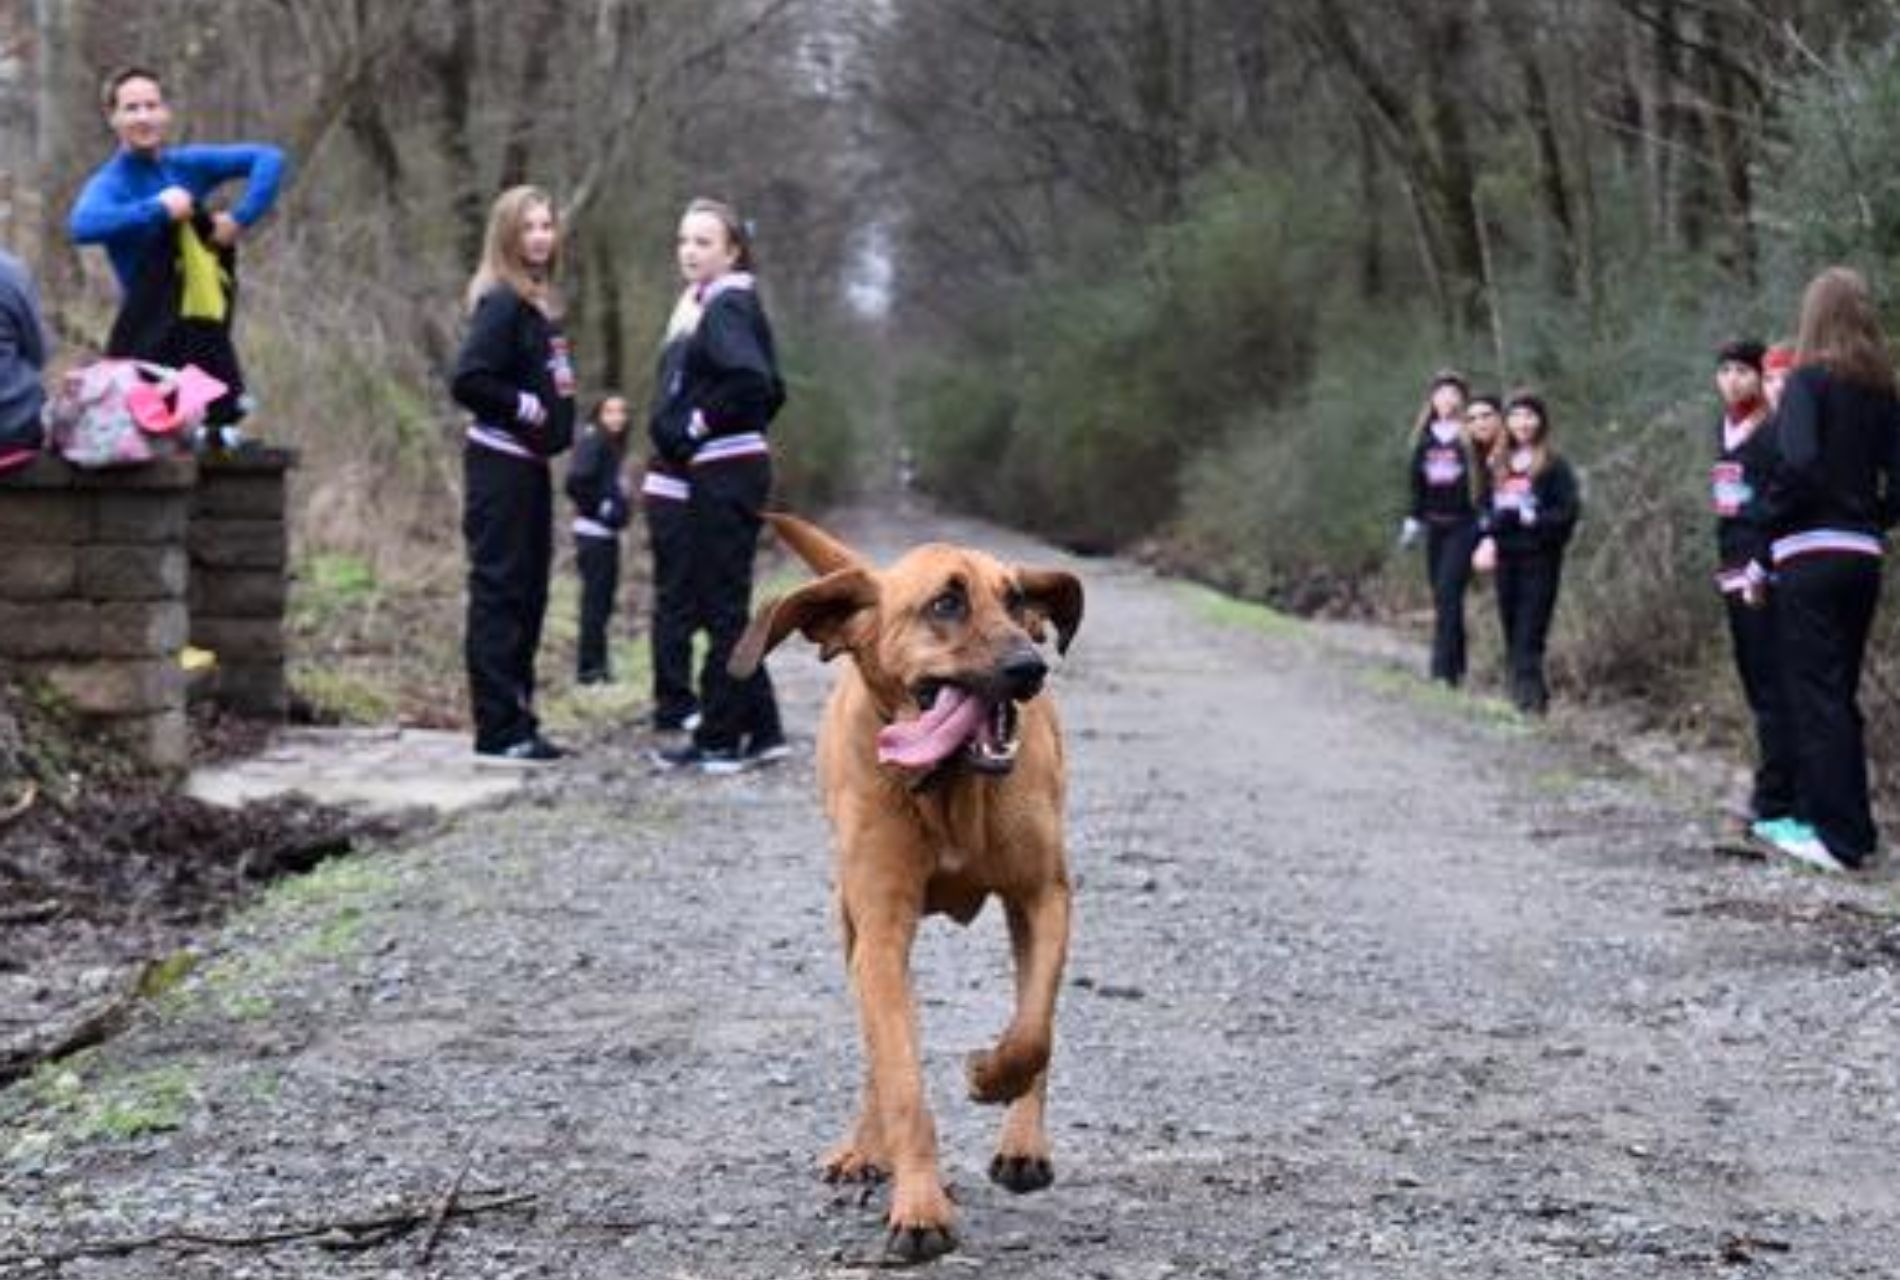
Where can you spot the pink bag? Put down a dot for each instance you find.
(123, 412)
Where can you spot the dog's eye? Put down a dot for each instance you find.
(947, 607)
(1015, 601)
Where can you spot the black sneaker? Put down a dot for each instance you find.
(685, 724)
(527, 753)
(715, 761)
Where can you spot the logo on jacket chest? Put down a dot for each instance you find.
(1514, 493)
(561, 365)
(1444, 467)
(1728, 484)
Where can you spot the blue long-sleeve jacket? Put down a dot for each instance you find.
(119, 207)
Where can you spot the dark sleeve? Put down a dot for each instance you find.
(22, 333)
(742, 391)
(487, 369)
(1891, 471)
(1795, 479)
(1417, 511)
(585, 473)
(1561, 502)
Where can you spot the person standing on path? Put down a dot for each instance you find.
(1533, 510)
(1743, 453)
(1442, 470)
(1833, 492)
(515, 376)
(721, 401)
(597, 483)
(665, 500)
(23, 352)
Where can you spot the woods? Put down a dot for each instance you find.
(1129, 271)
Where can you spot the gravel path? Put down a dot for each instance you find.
(1367, 982)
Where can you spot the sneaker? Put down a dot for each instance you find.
(769, 751)
(1798, 841)
(717, 762)
(527, 753)
(686, 725)
(597, 676)
(1769, 830)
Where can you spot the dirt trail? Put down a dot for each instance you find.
(1367, 982)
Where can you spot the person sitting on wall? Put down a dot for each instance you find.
(23, 351)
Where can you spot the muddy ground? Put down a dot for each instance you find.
(1367, 982)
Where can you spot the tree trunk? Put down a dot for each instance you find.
(454, 69)
(1551, 179)
(57, 69)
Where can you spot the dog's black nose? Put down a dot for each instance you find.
(1022, 673)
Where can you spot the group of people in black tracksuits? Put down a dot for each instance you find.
(717, 392)
(1490, 493)
(1804, 483)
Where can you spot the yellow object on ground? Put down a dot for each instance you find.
(194, 659)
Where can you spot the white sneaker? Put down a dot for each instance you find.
(1808, 850)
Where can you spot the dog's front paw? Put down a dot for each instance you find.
(920, 1221)
(1022, 1173)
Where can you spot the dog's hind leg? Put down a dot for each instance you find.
(1039, 937)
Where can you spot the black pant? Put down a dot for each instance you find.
(508, 524)
(724, 510)
(1757, 660)
(598, 560)
(1824, 608)
(670, 538)
(1448, 549)
(1527, 598)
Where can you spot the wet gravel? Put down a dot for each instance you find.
(1366, 982)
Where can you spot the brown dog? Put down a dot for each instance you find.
(942, 774)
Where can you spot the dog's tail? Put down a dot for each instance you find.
(824, 553)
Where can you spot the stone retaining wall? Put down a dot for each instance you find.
(106, 575)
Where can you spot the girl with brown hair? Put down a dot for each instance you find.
(515, 376)
(1833, 487)
(1533, 508)
(713, 409)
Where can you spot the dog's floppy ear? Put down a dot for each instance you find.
(1055, 595)
(824, 611)
(824, 553)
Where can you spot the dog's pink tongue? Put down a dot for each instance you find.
(941, 730)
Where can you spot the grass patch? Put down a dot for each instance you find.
(340, 694)
(1436, 696)
(77, 1101)
(334, 881)
(328, 586)
(1229, 611)
(333, 902)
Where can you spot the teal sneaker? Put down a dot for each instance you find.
(1799, 841)
(1769, 830)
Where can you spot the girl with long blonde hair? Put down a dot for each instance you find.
(515, 376)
